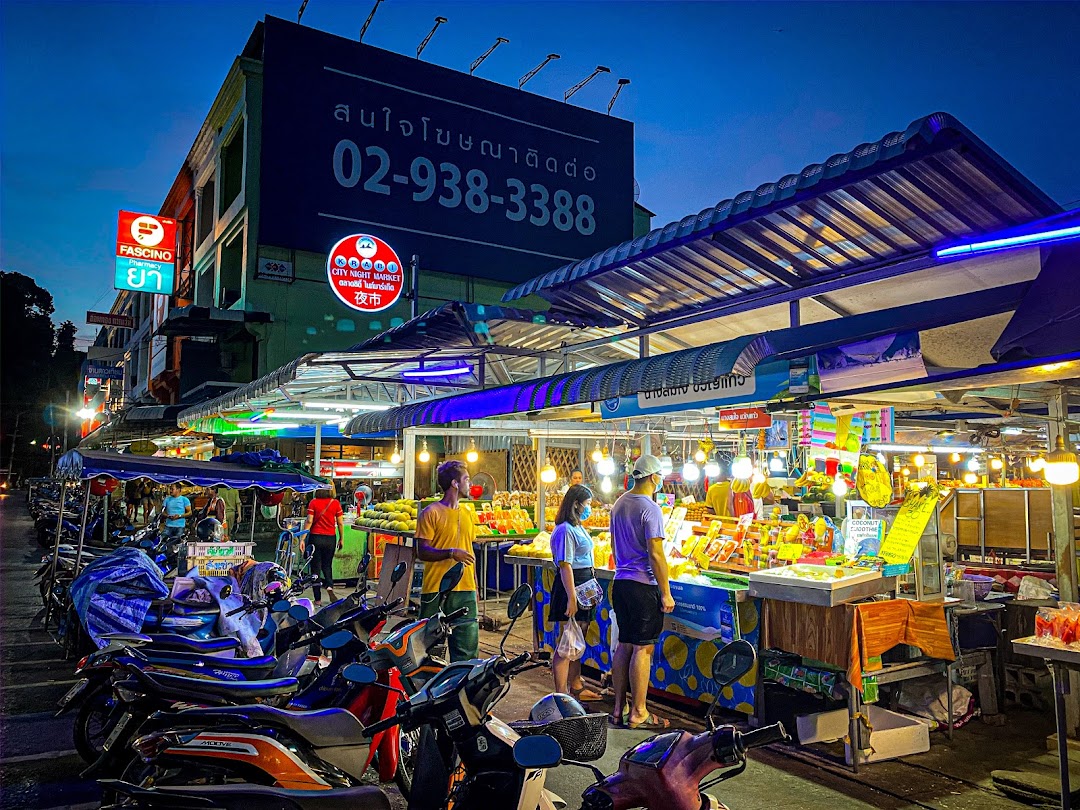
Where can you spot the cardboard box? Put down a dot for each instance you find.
(893, 735)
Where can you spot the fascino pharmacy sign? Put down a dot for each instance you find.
(145, 253)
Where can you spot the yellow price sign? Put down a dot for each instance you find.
(903, 538)
(789, 551)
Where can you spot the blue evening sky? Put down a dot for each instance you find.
(101, 101)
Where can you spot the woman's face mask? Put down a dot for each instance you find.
(585, 512)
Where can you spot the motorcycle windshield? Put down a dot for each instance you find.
(653, 752)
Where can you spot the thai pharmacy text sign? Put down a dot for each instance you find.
(145, 253)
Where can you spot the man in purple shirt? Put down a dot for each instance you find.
(640, 594)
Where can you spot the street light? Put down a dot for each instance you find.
(85, 413)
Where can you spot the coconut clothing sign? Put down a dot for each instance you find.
(365, 273)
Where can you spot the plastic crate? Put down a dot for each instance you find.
(215, 559)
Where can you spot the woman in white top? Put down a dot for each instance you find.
(572, 550)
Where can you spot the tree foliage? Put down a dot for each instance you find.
(39, 364)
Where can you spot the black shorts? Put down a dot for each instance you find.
(637, 610)
(557, 608)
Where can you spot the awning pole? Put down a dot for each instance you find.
(82, 530)
(318, 448)
(56, 551)
(1061, 499)
(409, 450)
(254, 509)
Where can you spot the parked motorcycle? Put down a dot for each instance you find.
(666, 771)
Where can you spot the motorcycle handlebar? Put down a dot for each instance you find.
(765, 736)
(382, 725)
(506, 667)
(457, 614)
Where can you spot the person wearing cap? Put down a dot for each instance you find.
(640, 593)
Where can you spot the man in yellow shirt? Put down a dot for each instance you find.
(718, 498)
(444, 536)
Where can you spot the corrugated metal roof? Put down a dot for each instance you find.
(461, 324)
(881, 204)
(700, 365)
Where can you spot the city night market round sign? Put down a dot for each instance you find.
(365, 273)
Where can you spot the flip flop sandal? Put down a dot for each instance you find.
(651, 722)
(620, 723)
(587, 695)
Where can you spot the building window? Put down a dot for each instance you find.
(204, 290)
(232, 271)
(206, 212)
(232, 169)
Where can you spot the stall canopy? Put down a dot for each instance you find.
(1048, 320)
(873, 213)
(701, 365)
(85, 464)
(500, 344)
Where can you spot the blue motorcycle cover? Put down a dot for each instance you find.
(113, 593)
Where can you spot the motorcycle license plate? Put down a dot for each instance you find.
(73, 692)
(117, 731)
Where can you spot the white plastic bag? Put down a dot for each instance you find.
(571, 642)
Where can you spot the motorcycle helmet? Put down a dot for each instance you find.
(209, 530)
(556, 706)
(270, 498)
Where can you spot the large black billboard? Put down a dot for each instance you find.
(475, 177)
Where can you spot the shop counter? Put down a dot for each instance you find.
(706, 617)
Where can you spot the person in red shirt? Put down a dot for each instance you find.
(325, 521)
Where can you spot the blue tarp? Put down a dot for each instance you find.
(87, 464)
(114, 592)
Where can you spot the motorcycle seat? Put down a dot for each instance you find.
(234, 691)
(208, 645)
(323, 728)
(250, 666)
(238, 796)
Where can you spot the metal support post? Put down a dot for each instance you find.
(318, 448)
(414, 293)
(1062, 505)
(409, 450)
(56, 551)
(1061, 678)
(541, 487)
(794, 313)
(82, 530)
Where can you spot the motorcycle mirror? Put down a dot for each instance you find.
(360, 674)
(537, 751)
(226, 592)
(733, 661)
(519, 600)
(398, 572)
(281, 606)
(299, 613)
(451, 578)
(365, 561)
(335, 641)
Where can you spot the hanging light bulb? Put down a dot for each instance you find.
(970, 478)
(919, 460)
(955, 458)
(423, 456)
(597, 453)
(996, 464)
(757, 478)
(776, 464)
(548, 474)
(905, 472)
(973, 464)
(691, 472)
(1061, 468)
(606, 465)
(395, 457)
(839, 486)
(472, 456)
(1036, 464)
(712, 468)
(742, 467)
(605, 485)
(699, 456)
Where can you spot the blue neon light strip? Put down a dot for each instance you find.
(1004, 243)
(453, 371)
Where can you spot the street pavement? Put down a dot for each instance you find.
(39, 768)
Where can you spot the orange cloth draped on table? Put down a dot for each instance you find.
(880, 626)
(848, 636)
